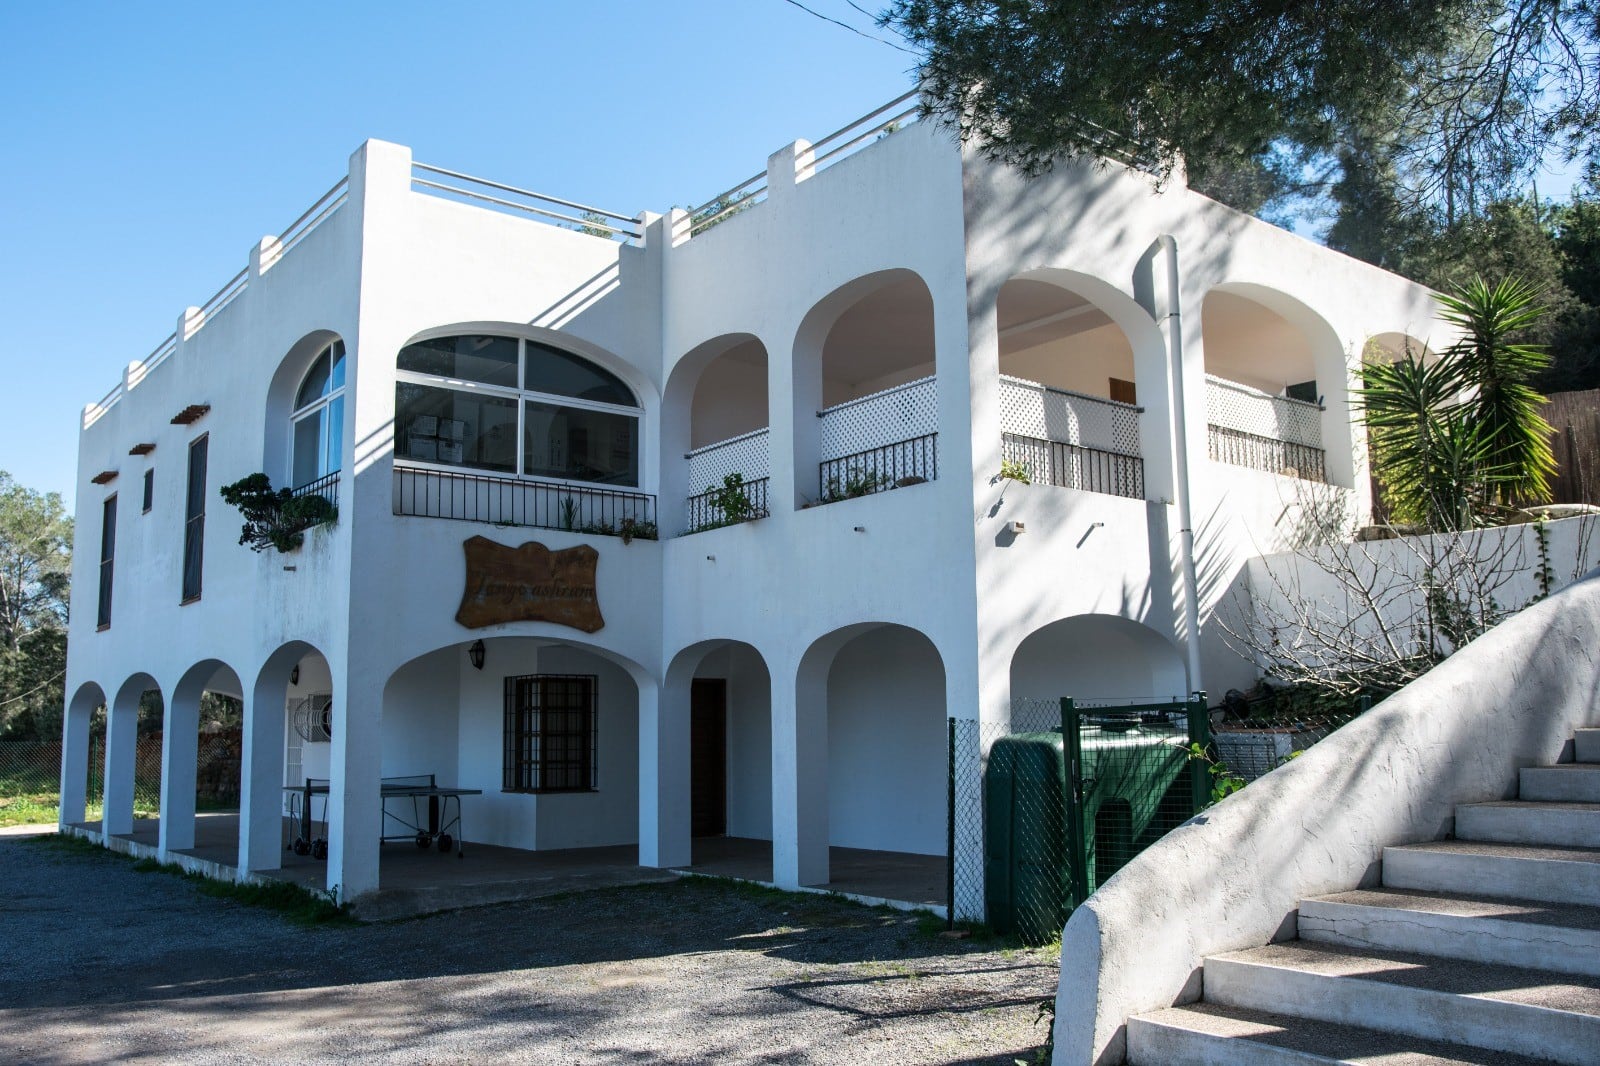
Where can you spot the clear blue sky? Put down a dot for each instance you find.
(146, 147)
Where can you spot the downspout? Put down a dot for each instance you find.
(1170, 322)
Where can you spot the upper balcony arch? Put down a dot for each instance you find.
(303, 438)
(1076, 356)
(714, 425)
(865, 395)
(1277, 385)
(518, 425)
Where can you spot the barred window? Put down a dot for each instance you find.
(550, 733)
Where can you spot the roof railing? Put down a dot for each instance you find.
(590, 219)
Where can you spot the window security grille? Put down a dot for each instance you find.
(108, 552)
(550, 724)
(194, 520)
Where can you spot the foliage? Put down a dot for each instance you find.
(718, 211)
(855, 483)
(1015, 470)
(731, 504)
(1454, 439)
(1224, 782)
(595, 225)
(276, 519)
(629, 529)
(1464, 98)
(35, 573)
(1503, 408)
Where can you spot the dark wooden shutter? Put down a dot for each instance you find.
(194, 520)
(108, 552)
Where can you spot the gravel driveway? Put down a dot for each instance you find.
(99, 962)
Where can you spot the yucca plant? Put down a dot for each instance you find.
(1502, 404)
(1453, 438)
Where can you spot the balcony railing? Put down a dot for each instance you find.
(1250, 428)
(511, 501)
(326, 486)
(729, 505)
(746, 455)
(885, 440)
(1071, 440)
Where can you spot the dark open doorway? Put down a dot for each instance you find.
(708, 757)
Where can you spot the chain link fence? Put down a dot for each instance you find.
(1047, 807)
(30, 777)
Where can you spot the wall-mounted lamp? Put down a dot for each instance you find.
(475, 655)
(860, 529)
(294, 675)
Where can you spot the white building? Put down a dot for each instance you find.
(881, 311)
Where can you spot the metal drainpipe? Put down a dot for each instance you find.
(1171, 323)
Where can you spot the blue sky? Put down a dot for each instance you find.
(147, 147)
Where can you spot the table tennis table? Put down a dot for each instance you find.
(425, 826)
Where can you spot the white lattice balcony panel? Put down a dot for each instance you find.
(1029, 409)
(747, 454)
(1230, 405)
(903, 413)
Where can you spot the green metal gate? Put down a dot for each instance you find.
(1066, 808)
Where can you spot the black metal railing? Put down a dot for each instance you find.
(891, 466)
(1072, 466)
(1238, 448)
(326, 486)
(510, 501)
(715, 508)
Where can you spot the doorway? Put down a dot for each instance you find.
(708, 757)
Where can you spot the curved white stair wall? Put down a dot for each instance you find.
(1232, 877)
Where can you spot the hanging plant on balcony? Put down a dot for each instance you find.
(276, 518)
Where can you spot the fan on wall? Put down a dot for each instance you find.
(313, 717)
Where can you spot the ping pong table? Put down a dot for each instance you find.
(427, 824)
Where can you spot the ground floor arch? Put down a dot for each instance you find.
(87, 700)
(181, 751)
(1095, 657)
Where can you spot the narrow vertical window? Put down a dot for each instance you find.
(194, 520)
(149, 490)
(108, 552)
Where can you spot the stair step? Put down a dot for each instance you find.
(1564, 825)
(1587, 744)
(1210, 1034)
(1501, 1008)
(1561, 936)
(1568, 782)
(1479, 868)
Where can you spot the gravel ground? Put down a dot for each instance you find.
(99, 962)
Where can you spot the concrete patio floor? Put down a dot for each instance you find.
(414, 880)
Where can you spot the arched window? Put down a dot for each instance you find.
(318, 417)
(515, 407)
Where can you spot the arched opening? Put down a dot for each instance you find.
(78, 768)
(865, 395)
(131, 795)
(1070, 383)
(869, 813)
(729, 756)
(715, 434)
(519, 430)
(1094, 658)
(1389, 347)
(1276, 386)
(317, 431)
(304, 428)
(201, 749)
(286, 745)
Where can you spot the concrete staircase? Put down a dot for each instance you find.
(1481, 950)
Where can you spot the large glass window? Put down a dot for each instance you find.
(516, 407)
(319, 418)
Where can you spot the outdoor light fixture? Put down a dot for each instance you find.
(475, 655)
(294, 675)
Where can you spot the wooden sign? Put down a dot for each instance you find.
(530, 584)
